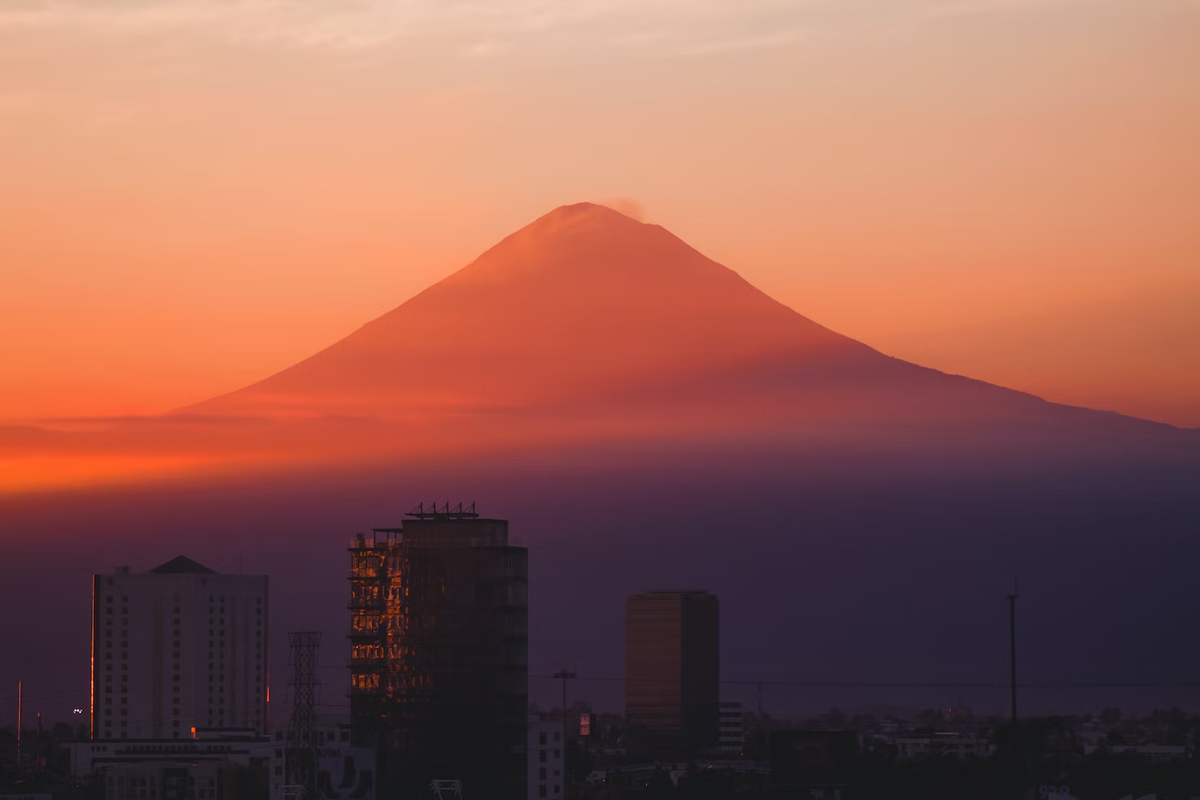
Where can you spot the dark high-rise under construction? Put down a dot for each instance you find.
(439, 652)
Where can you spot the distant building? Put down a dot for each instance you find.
(731, 735)
(943, 744)
(546, 777)
(343, 770)
(439, 653)
(672, 678)
(208, 765)
(177, 649)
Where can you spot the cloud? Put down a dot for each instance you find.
(162, 419)
(302, 23)
(476, 27)
(755, 41)
(627, 206)
(958, 8)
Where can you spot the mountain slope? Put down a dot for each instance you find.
(584, 329)
(580, 299)
(586, 312)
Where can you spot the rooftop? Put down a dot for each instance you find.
(182, 565)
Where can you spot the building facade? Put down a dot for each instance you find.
(176, 649)
(672, 673)
(341, 770)
(207, 765)
(439, 653)
(547, 761)
(731, 736)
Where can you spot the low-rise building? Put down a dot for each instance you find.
(212, 765)
(944, 744)
(343, 770)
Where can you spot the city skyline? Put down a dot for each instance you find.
(446, 583)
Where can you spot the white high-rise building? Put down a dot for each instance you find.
(176, 649)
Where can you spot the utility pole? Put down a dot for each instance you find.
(19, 704)
(564, 675)
(1012, 646)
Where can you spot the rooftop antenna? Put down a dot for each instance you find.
(444, 511)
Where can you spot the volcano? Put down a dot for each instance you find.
(582, 303)
(585, 328)
(587, 324)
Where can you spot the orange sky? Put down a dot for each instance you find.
(195, 194)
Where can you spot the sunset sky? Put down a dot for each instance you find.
(195, 194)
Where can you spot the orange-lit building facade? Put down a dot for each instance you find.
(439, 653)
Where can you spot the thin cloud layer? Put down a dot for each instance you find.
(366, 24)
(474, 28)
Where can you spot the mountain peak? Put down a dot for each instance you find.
(575, 213)
(584, 299)
(580, 239)
(584, 220)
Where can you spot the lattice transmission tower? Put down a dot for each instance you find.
(302, 727)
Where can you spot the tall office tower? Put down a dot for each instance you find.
(672, 677)
(177, 648)
(439, 653)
